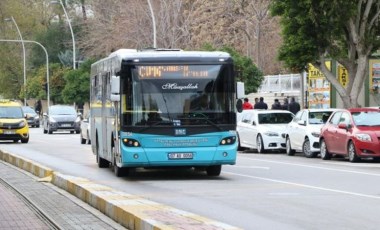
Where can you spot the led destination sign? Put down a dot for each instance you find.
(176, 71)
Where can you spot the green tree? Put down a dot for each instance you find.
(245, 69)
(344, 30)
(77, 88)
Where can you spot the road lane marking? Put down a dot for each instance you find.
(317, 167)
(250, 167)
(305, 185)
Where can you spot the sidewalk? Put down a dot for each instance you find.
(25, 203)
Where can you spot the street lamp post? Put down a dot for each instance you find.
(154, 25)
(23, 52)
(47, 64)
(71, 29)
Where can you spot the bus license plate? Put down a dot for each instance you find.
(180, 155)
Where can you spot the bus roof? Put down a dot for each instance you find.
(151, 53)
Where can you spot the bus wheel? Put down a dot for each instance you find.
(102, 163)
(214, 170)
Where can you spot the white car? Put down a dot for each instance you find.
(302, 134)
(85, 129)
(263, 129)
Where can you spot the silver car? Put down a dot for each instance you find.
(61, 118)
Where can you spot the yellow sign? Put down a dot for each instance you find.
(318, 88)
(343, 75)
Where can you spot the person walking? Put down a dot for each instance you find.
(277, 104)
(261, 104)
(294, 106)
(38, 107)
(246, 104)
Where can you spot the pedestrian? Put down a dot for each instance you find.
(276, 104)
(38, 107)
(285, 105)
(256, 101)
(246, 104)
(261, 104)
(294, 106)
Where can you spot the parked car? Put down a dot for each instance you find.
(354, 133)
(302, 133)
(263, 129)
(85, 128)
(61, 118)
(32, 117)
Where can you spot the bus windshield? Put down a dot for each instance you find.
(178, 95)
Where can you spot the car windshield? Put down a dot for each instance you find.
(366, 118)
(29, 110)
(275, 118)
(11, 112)
(319, 117)
(62, 110)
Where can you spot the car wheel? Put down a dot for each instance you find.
(49, 130)
(88, 139)
(352, 156)
(214, 170)
(306, 149)
(77, 131)
(325, 155)
(82, 140)
(25, 140)
(289, 150)
(260, 144)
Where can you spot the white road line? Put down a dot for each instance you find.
(317, 167)
(305, 186)
(250, 167)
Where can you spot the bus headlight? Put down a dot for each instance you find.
(131, 142)
(228, 140)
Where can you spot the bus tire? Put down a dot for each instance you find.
(102, 163)
(214, 170)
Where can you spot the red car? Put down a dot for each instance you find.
(354, 133)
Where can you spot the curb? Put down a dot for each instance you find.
(131, 211)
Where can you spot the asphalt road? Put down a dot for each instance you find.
(262, 191)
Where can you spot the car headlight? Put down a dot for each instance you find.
(315, 134)
(36, 117)
(51, 120)
(363, 137)
(22, 124)
(271, 134)
(77, 120)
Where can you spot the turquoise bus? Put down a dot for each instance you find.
(163, 108)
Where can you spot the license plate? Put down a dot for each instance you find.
(66, 125)
(9, 132)
(180, 155)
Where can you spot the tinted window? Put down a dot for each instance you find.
(319, 117)
(275, 118)
(62, 110)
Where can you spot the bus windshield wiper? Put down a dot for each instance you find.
(203, 119)
(154, 124)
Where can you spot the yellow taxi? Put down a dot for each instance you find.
(13, 125)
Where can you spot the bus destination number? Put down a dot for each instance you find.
(180, 155)
(147, 72)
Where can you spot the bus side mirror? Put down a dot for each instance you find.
(239, 105)
(115, 88)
